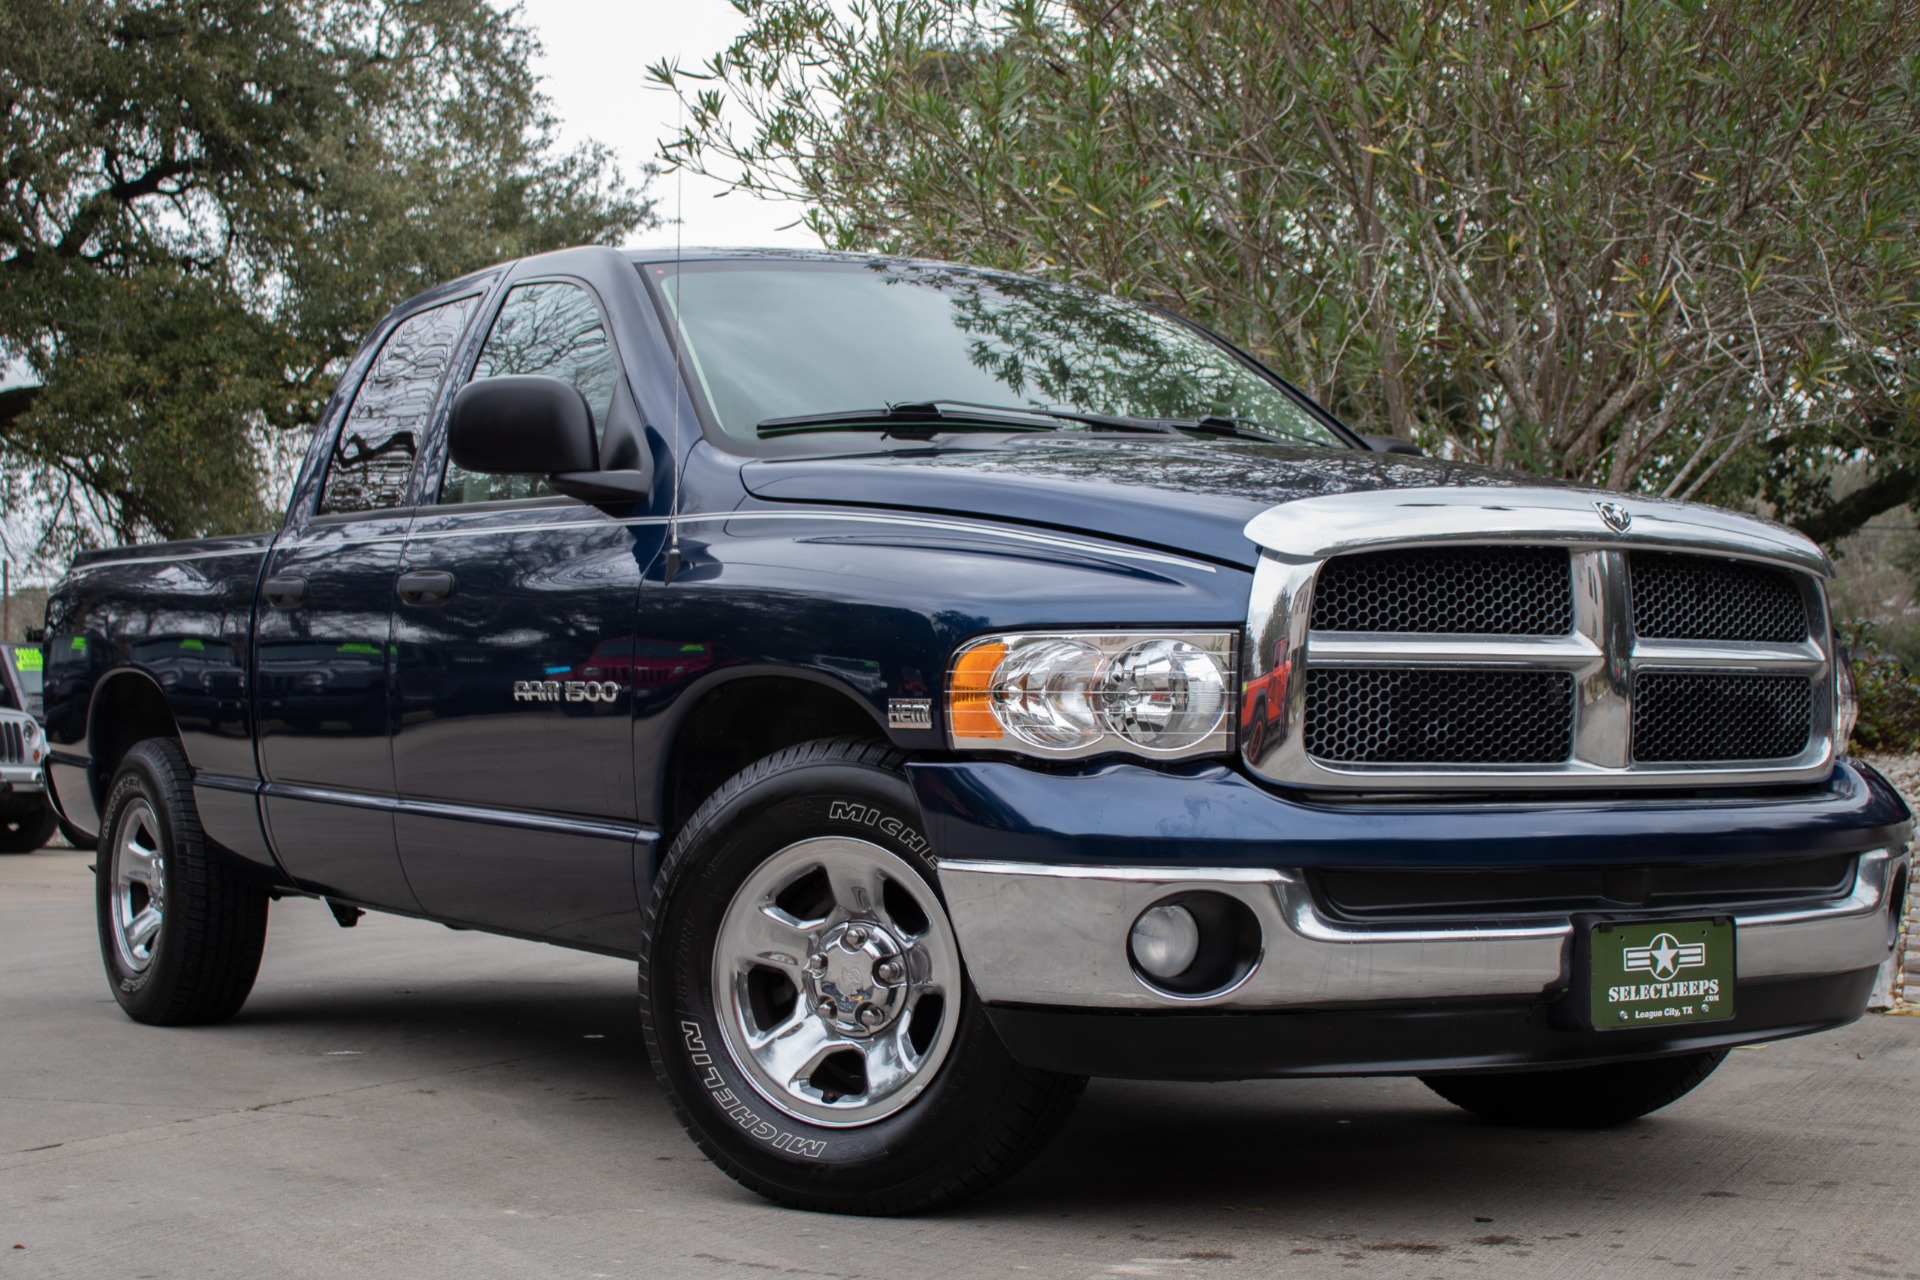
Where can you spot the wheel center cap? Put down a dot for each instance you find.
(856, 978)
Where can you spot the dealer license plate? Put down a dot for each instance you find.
(1645, 973)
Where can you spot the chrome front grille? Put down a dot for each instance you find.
(1681, 597)
(1523, 641)
(1512, 591)
(1376, 716)
(1688, 717)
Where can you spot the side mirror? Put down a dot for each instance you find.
(1393, 444)
(522, 426)
(534, 425)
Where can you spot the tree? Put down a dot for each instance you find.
(1644, 244)
(208, 202)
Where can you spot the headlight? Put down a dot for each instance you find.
(1082, 693)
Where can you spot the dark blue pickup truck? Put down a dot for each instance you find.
(949, 686)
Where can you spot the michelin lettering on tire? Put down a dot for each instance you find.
(867, 815)
(741, 1114)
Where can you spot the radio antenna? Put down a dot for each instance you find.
(673, 561)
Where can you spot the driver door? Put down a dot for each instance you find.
(514, 756)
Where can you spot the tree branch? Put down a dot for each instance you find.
(1895, 489)
(101, 203)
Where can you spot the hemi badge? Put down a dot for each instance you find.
(910, 713)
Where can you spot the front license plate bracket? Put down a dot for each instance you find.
(1637, 973)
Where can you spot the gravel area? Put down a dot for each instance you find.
(1902, 771)
(1903, 986)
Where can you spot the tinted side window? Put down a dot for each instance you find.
(552, 329)
(374, 454)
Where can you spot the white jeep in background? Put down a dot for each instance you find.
(27, 821)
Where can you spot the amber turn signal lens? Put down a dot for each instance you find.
(969, 710)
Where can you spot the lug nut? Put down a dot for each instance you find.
(888, 971)
(826, 1009)
(817, 961)
(870, 1016)
(856, 936)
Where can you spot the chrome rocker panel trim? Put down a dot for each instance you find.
(1057, 936)
(1601, 653)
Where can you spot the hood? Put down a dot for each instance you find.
(1194, 497)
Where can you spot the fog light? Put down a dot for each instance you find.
(1165, 940)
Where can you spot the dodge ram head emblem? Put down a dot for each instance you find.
(1616, 516)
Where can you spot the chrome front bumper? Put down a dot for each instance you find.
(24, 779)
(1057, 936)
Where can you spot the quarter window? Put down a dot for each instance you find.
(551, 328)
(373, 457)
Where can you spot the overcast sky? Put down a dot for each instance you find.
(597, 52)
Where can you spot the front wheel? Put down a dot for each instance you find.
(27, 826)
(805, 1005)
(1579, 1097)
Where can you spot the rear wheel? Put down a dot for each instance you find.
(27, 825)
(805, 1005)
(180, 932)
(1579, 1097)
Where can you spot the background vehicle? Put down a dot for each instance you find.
(21, 667)
(928, 793)
(27, 821)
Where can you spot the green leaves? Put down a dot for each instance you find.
(208, 203)
(1655, 245)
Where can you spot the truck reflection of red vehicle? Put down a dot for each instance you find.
(1263, 706)
(637, 663)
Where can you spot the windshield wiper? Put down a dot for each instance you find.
(924, 418)
(1117, 422)
(954, 415)
(1214, 424)
(926, 415)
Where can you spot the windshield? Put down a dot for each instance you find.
(766, 340)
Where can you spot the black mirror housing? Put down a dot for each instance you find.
(527, 425)
(1393, 444)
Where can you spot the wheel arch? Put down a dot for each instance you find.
(129, 706)
(721, 725)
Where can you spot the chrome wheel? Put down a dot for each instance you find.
(139, 874)
(837, 979)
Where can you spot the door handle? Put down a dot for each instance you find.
(285, 592)
(426, 586)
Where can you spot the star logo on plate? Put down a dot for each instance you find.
(1663, 957)
(1616, 517)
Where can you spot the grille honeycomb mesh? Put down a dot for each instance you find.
(1508, 591)
(1681, 718)
(1680, 597)
(1381, 716)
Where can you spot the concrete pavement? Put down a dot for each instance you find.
(402, 1100)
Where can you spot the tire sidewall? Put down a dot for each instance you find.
(137, 992)
(727, 1113)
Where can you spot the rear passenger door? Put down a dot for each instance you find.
(514, 756)
(323, 652)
